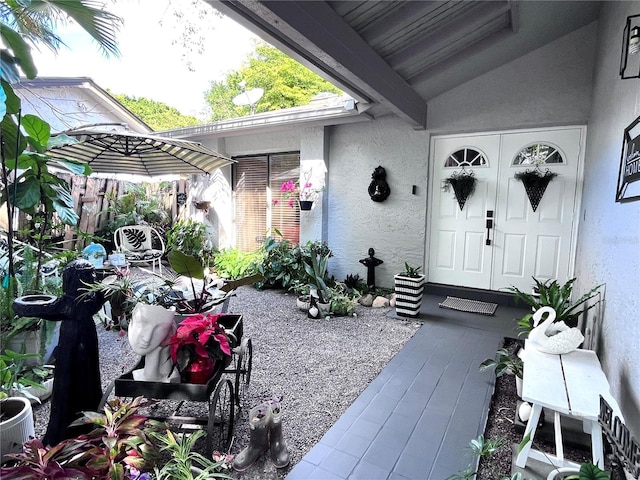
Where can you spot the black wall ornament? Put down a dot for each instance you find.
(535, 184)
(463, 184)
(379, 189)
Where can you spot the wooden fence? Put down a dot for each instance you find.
(91, 198)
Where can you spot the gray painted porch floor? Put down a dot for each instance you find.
(415, 420)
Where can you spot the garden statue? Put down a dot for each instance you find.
(76, 384)
(371, 263)
(151, 326)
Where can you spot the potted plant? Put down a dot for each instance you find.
(506, 363)
(317, 280)
(409, 286)
(119, 446)
(463, 184)
(185, 463)
(554, 295)
(302, 193)
(16, 414)
(535, 184)
(199, 346)
(341, 302)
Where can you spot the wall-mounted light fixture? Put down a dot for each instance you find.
(630, 61)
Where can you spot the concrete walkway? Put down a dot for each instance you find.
(415, 420)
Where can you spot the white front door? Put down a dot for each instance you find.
(521, 243)
(458, 254)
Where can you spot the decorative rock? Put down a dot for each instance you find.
(392, 300)
(367, 300)
(380, 302)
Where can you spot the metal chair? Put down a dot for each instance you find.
(137, 242)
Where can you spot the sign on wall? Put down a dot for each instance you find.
(629, 175)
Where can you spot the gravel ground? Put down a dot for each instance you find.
(319, 367)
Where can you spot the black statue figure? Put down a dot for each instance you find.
(379, 189)
(76, 384)
(371, 263)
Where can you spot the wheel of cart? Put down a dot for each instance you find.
(244, 359)
(221, 416)
(242, 351)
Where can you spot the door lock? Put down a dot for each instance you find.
(489, 226)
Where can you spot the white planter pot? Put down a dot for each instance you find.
(518, 386)
(409, 291)
(18, 426)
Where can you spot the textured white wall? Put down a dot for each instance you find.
(395, 228)
(609, 238)
(550, 86)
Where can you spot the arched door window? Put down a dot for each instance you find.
(466, 157)
(538, 154)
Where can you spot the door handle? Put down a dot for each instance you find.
(489, 227)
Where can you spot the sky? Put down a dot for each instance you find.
(153, 62)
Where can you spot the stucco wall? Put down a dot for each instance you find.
(609, 236)
(395, 228)
(550, 86)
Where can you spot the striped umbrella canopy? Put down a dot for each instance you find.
(139, 154)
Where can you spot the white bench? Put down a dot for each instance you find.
(569, 384)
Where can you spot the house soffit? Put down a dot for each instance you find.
(397, 55)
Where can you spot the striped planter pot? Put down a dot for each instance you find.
(408, 295)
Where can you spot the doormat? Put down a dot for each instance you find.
(471, 306)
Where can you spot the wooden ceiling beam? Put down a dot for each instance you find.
(313, 33)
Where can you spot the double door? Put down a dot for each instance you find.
(497, 239)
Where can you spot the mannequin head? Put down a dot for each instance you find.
(150, 326)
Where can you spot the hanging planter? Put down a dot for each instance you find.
(305, 204)
(463, 184)
(535, 184)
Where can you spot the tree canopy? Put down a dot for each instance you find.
(286, 84)
(157, 115)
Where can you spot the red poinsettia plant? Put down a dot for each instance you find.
(199, 337)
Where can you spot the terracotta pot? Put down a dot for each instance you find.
(200, 371)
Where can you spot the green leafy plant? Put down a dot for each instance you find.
(504, 362)
(317, 276)
(479, 447)
(12, 379)
(411, 272)
(279, 263)
(120, 437)
(184, 462)
(120, 442)
(190, 237)
(341, 303)
(557, 296)
(233, 263)
(34, 189)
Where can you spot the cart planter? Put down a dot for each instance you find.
(217, 391)
(409, 292)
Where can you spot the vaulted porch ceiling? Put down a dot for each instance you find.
(394, 56)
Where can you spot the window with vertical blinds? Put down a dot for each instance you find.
(257, 181)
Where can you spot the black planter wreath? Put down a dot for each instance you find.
(463, 184)
(535, 184)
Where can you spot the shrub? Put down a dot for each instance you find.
(190, 237)
(231, 263)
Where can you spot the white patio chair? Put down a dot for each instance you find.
(137, 241)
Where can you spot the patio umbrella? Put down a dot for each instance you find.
(139, 154)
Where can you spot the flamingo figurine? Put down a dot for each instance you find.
(555, 338)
